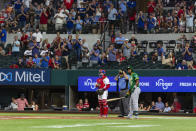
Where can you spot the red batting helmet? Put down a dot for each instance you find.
(102, 71)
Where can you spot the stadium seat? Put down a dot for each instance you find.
(171, 46)
(153, 45)
(143, 46)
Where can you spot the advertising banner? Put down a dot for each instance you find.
(24, 77)
(147, 84)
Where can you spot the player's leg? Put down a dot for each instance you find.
(100, 105)
(130, 115)
(105, 104)
(135, 101)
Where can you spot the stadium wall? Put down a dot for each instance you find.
(70, 77)
(65, 82)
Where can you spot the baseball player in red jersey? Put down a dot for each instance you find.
(103, 84)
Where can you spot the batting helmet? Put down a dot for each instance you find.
(102, 71)
(130, 67)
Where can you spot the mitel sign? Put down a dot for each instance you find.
(147, 84)
(24, 77)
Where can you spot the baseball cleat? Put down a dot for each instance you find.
(130, 117)
(105, 116)
(136, 117)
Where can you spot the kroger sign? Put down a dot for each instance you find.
(24, 77)
(147, 84)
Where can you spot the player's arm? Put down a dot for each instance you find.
(97, 85)
(137, 82)
(136, 77)
(116, 77)
(107, 83)
(125, 75)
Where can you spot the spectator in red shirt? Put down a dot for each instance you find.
(24, 42)
(30, 63)
(68, 3)
(2, 19)
(176, 106)
(14, 66)
(52, 63)
(86, 104)
(80, 105)
(181, 11)
(120, 57)
(132, 17)
(44, 20)
(151, 6)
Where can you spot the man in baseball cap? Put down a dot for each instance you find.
(133, 92)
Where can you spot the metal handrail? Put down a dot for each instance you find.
(102, 38)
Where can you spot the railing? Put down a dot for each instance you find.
(102, 38)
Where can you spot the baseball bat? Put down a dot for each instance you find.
(115, 99)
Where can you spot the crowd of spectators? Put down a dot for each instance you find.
(90, 16)
(21, 103)
(33, 51)
(159, 106)
(83, 106)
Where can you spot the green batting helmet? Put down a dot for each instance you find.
(130, 67)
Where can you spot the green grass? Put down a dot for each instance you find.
(158, 123)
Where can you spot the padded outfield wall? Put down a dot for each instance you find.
(151, 80)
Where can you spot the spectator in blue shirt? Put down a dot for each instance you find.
(123, 5)
(119, 41)
(112, 12)
(3, 36)
(140, 20)
(133, 51)
(94, 55)
(187, 54)
(159, 105)
(111, 51)
(17, 7)
(107, 4)
(35, 48)
(36, 60)
(44, 61)
(151, 24)
(182, 66)
(70, 24)
(160, 51)
(95, 24)
(145, 58)
(131, 4)
(87, 23)
(79, 24)
(16, 46)
(22, 18)
(77, 47)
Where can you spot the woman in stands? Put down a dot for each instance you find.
(80, 105)
(86, 105)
